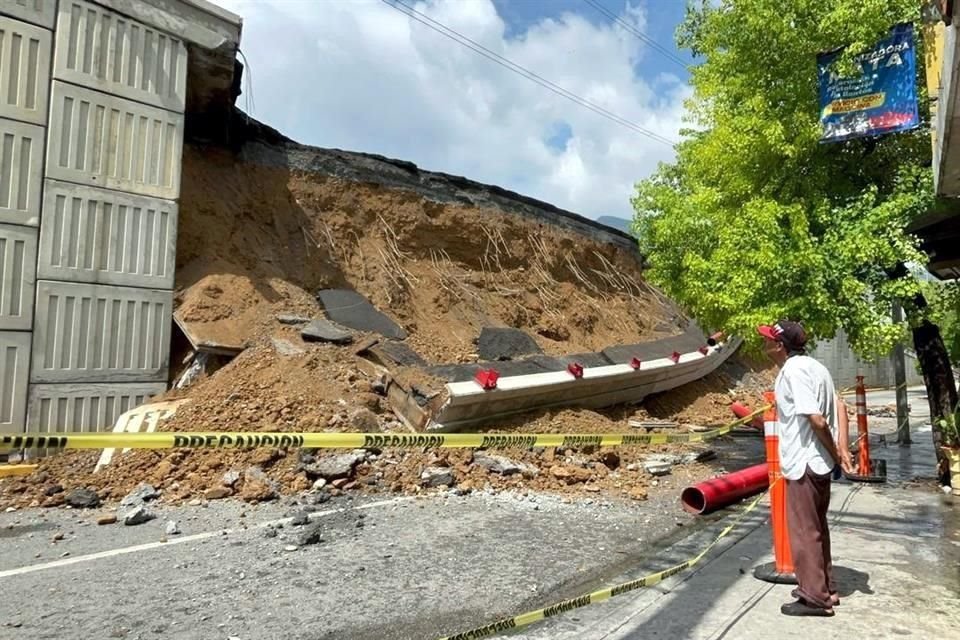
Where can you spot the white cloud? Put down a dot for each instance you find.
(362, 76)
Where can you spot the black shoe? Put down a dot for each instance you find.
(803, 609)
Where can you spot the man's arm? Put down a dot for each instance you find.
(843, 434)
(821, 428)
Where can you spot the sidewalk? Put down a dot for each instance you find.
(896, 548)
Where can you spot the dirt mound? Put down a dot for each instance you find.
(254, 239)
(321, 389)
(257, 241)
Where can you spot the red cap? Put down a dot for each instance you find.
(787, 332)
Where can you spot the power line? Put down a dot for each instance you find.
(518, 69)
(639, 34)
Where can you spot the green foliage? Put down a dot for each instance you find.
(756, 219)
(950, 428)
(944, 300)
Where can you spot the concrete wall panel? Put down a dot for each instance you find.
(21, 172)
(24, 71)
(102, 236)
(14, 372)
(107, 51)
(104, 141)
(84, 407)
(96, 333)
(18, 263)
(40, 12)
(844, 365)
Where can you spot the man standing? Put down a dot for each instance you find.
(807, 417)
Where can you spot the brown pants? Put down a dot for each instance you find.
(807, 502)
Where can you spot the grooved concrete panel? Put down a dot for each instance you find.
(24, 71)
(14, 367)
(84, 407)
(102, 236)
(95, 333)
(41, 12)
(105, 141)
(18, 265)
(21, 172)
(107, 51)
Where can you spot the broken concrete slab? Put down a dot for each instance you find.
(331, 467)
(352, 310)
(505, 343)
(321, 330)
(205, 343)
(391, 353)
(503, 465)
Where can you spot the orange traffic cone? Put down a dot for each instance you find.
(781, 569)
(868, 470)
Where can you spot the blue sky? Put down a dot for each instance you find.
(361, 75)
(663, 16)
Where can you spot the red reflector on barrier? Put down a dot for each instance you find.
(487, 378)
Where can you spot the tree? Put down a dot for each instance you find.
(757, 220)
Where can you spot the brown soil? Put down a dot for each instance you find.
(255, 242)
(320, 390)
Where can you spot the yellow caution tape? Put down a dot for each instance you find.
(9, 470)
(563, 606)
(225, 440)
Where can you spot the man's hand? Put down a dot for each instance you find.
(846, 462)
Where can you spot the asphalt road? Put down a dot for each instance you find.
(386, 569)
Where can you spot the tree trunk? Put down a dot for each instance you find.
(941, 387)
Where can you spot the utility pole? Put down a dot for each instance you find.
(900, 379)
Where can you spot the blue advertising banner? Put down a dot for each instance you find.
(881, 99)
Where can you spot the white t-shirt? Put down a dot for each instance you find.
(804, 387)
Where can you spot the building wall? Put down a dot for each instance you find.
(845, 366)
(92, 108)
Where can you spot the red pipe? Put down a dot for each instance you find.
(716, 493)
(742, 411)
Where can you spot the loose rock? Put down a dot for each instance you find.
(257, 486)
(217, 493)
(570, 474)
(138, 515)
(172, 528)
(143, 493)
(436, 476)
(285, 347)
(107, 519)
(503, 465)
(321, 330)
(83, 498)
(365, 420)
(53, 490)
(333, 467)
(292, 319)
(231, 478)
(300, 519)
(311, 535)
